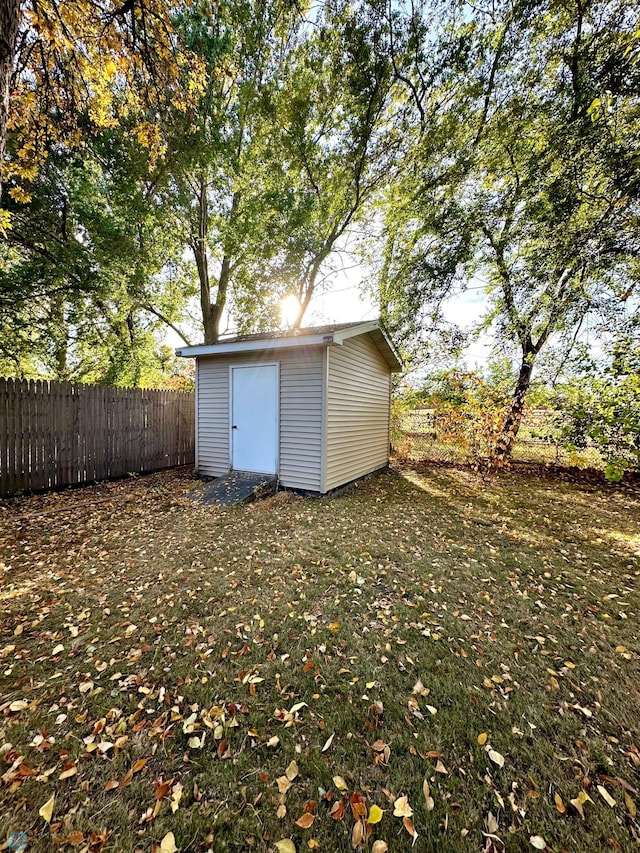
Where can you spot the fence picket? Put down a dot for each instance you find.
(21, 476)
(65, 462)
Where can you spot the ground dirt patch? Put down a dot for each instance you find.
(297, 669)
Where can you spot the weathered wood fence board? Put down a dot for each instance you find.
(56, 434)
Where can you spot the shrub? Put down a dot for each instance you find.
(471, 416)
(603, 411)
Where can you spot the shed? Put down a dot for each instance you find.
(309, 406)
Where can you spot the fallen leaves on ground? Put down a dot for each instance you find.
(363, 669)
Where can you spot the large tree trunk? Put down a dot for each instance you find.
(513, 416)
(211, 310)
(61, 339)
(308, 288)
(199, 246)
(9, 14)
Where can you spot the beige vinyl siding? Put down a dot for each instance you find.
(300, 414)
(212, 417)
(301, 419)
(358, 386)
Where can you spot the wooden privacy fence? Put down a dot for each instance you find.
(56, 434)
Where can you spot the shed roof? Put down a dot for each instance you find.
(335, 334)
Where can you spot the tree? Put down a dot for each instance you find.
(87, 262)
(74, 67)
(214, 175)
(281, 155)
(536, 190)
(331, 152)
(9, 17)
(600, 407)
(86, 273)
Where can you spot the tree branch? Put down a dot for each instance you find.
(167, 322)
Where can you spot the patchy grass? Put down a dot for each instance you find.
(163, 664)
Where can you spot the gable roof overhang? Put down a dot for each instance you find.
(323, 336)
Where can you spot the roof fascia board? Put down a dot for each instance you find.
(391, 346)
(388, 351)
(337, 337)
(361, 329)
(253, 346)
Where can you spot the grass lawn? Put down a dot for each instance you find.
(276, 671)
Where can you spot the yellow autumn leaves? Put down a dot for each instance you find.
(46, 811)
(86, 57)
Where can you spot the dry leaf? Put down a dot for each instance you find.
(292, 771)
(285, 846)
(631, 806)
(161, 788)
(538, 842)
(357, 834)
(408, 825)
(337, 810)
(168, 844)
(427, 796)
(496, 757)
(46, 811)
(283, 784)
(606, 796)
(579, 802)
(328, 742)
(482, 738)
(176, 795)
(401, 807)
(358, 808)
(281, 812)
(440, 768)
(375, 814)
(559, 804)
(380, 847)
(305, 821)
(339, 782)
(68, 772)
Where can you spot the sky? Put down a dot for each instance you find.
(346, 301)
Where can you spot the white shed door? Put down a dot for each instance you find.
(254, 419)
